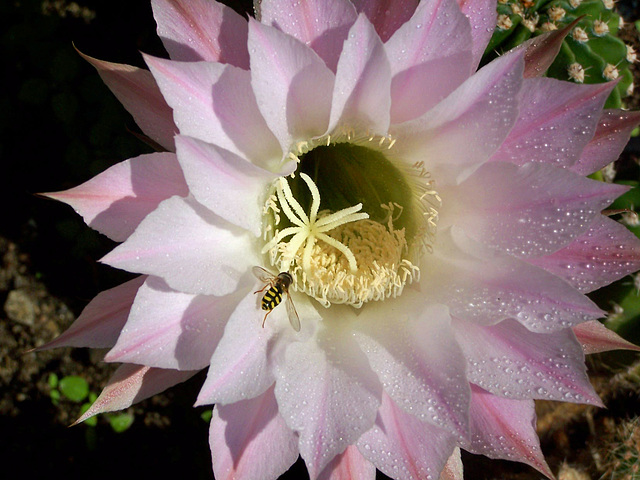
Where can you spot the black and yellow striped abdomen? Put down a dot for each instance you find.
(272, 297)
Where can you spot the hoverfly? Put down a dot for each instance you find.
(278, 285)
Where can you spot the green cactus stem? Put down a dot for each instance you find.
(591, 53)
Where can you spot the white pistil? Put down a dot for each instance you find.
(309, 228)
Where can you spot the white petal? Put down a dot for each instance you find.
(291, 83)
(227, 184)
(403, 447)
(242, 364)
(362, 95)
(461, 132)
(526, 211)
(430, 56)
(510, 361)
(486, 286)
(189, 247)
(169, 329)
(250, 440)
(131, 384)
(327, 393)
(214, 103)
(411, 347)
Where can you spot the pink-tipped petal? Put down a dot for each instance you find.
(553, 132)
(189, 247)
(542, 50)
(434, 44)
(118, 199)
(403, 447)
(250, 440)
(139, 94)
(323, 25)
(241, 366)
(327, 393)
(386, 15)
(193, 30)
(460, 133)
(527, 211)
(228, 185)
(101, 321)
(595, 338)
(349, 465)
(362, 95)
(510, 361)
(418, 346)
(482, 16)
(214, 103)
(491, 286)
(292, 85)
(611, 136)
(169, 329)
(131, 384)
(606, 252)
(504, 428)
(453, 468)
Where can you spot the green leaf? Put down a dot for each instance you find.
(120, 422)
(52, 380)
(74, 388)
(206, 415)
(55, 396)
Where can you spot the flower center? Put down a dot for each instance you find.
(351, 223)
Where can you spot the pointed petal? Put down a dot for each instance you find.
(401, 446)
(553, 132)
(322, 25)
(214, 102)
(505, 429)
(508, 360)
(250, 440)
(490, 286)
(453, 468)
(101, 321)
(362, 96)
(386, 15)
(242, 364)
(193, 30)
(606, 252)
(349, 465)
(595, 338)
(541, 50)
(131, 384)
(139, 94)
(527, 211)
(189, 247)
(291, 83)
(327, 393)
(482, 16)
(419, 348)
(433, 45)
(169, 329)
(115, 201)
(460, 133)
(226, 184)
(611, 136)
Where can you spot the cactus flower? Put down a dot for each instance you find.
(378, 251)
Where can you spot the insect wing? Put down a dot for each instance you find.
(294, 320)
(263, 275)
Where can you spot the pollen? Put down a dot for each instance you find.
(341, 257)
